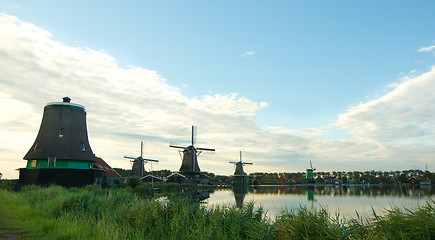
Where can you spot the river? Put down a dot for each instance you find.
(348, 201)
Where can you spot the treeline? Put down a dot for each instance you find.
(372, 177)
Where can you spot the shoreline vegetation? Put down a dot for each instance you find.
(139, 213)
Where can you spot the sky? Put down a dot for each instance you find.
(346, 85)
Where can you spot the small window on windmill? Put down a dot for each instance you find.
(83, 147)
(61, 132)
(33, 163)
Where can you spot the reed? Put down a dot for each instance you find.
(129, 213)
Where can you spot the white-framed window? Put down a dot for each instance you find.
(83, 147)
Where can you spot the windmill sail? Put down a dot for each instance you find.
(190, 155)
(239, 166)
(138, 167)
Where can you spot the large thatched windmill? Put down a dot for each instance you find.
(139, 163)
(240, 176)
(61, 153)
(189, 170)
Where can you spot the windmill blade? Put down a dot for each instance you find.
(206, 149)
(234, 162)
(151, 160)
(129, 157)
(193, 135)
(173, 146)
(248, 163)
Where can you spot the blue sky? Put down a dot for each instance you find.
(310, 61)
(299, 68)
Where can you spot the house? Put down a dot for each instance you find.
(424, 181)
(413, 180)
(295, 179)
(180, 177)
(281, 180)
(111, 175)
(150, 178)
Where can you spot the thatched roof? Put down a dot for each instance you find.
(63, 133)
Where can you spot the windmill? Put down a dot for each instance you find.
(139, 162)
(190, 155)
(239, 166)
(310, 175)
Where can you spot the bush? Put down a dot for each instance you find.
(133, 182)
(8, 185)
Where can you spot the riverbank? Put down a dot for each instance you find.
(95, 213)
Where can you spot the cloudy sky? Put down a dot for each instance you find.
(346, 85)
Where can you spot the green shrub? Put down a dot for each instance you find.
(133, 182)
(8, 185)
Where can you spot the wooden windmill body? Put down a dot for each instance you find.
(61, 153)
(190, 170)
(240, 177)
(138, 167)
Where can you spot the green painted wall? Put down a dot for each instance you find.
(73, 164)
(310, 174)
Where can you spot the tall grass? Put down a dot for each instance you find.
(95, 213)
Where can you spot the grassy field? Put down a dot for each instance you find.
(126, 213)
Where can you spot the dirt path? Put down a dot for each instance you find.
(6, 234)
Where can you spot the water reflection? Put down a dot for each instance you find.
(239, 192)
(408, 191)
(346, 200)
(198, 195)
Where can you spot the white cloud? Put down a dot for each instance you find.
(401, 123)
(301, 132)
(248, 53)
(427, 49)
(133, 104)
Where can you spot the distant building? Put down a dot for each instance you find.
(111, 175)
(424, 181)
(149, 178)
(281, 180)
(413, 180)
(196, 178)
(61, 153)
(295, 179)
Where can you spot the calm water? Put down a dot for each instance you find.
(345, 200)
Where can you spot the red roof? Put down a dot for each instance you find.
(110, 172)
(295, 179)
(281, 180)
(424, 179)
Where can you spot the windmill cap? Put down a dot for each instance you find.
(66, 103)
